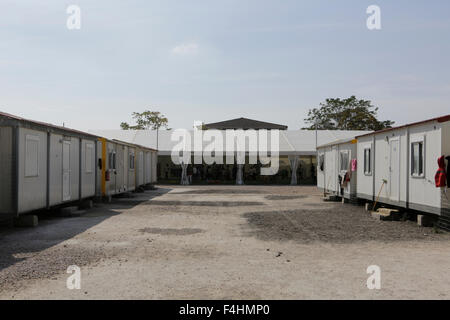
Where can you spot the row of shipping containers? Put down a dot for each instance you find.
(44, 165)
(406, 167)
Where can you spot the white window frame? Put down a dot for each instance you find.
(112, 160)
(131, 160)
(321, 161)
(367, 172)
(340, 160)
(30, 137)
(88, 163)
(413, 141)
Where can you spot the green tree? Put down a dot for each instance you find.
(153, 120)
(345, 114)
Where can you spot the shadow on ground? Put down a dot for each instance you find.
(20, 244)
(338, 224)
(201, 203)
(281, 197)
(221, 191)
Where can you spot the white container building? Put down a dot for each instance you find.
(334, 168)
(123, 167)
(400, 164)
(43, 165)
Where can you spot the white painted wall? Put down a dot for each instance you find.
(423, 190)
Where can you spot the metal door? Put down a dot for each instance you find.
(141, 168)
(111, 184)
(125, 167)
(394, 170)
(66, 171)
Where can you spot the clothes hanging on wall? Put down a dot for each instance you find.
(354, 165)
(441, 176)
(346, 179)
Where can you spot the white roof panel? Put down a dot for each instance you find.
(300, 142)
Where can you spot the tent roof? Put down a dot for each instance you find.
(298, 142)
(244, 123)
(340, 141)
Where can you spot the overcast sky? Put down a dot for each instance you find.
(217, 60)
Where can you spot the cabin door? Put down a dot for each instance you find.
(394, 170)
(141, 168)
(66, 171)
(119, 169)
(125, 167)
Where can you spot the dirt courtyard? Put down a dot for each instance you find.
(224, 242)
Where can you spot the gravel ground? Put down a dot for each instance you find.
(224, 242)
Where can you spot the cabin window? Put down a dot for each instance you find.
(131, 161)
(417, 157)
(112, 160)
(344, 162)
(31, 156)
(89, 158)
(367, 161)
(321, 162)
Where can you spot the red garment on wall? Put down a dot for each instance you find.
(354, 164)
(441, 175)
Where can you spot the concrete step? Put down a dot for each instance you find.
(387, 211)
(426, 220)
(386, 214)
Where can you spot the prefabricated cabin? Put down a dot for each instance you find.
(399, 164)
(43, 165)
(123, 167)
(334, 164)
(146, 165)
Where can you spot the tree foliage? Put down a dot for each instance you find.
(153, 120)
(345, 114)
